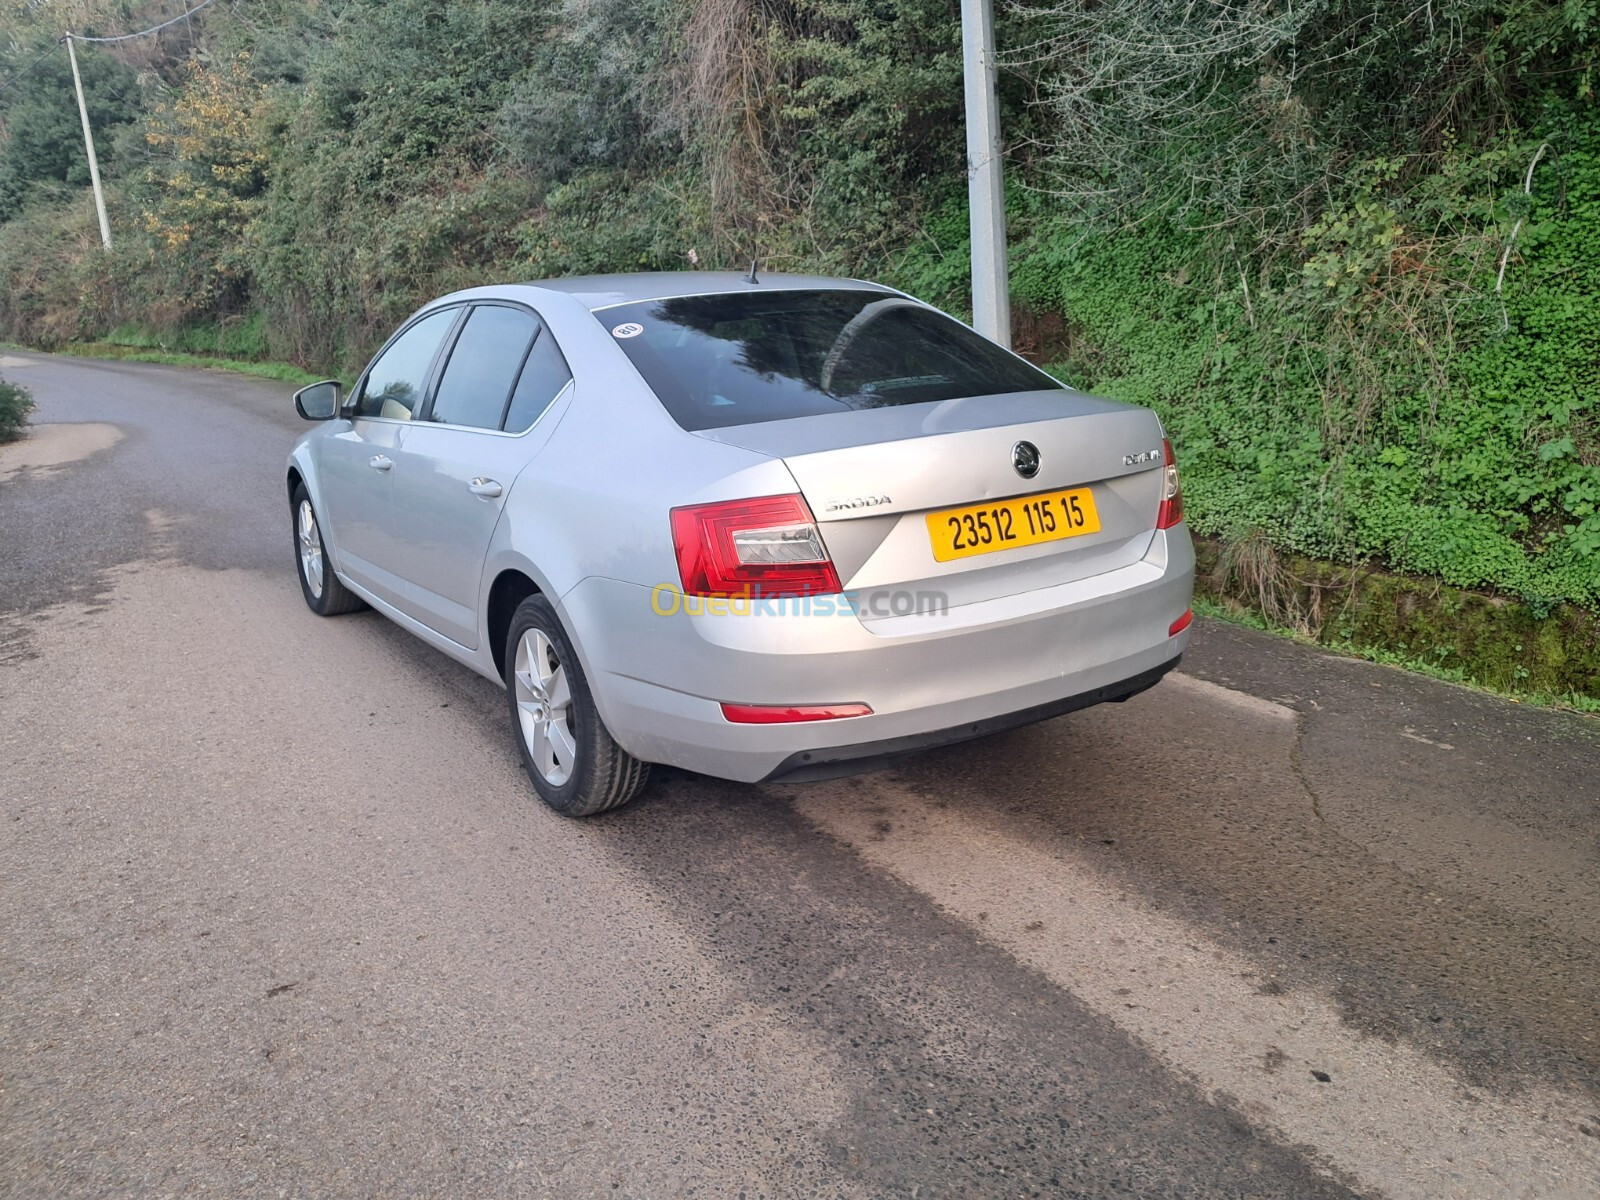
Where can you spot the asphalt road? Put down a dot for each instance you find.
(280, 917)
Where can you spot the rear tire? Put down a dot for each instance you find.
(574, 763)
(325, 595)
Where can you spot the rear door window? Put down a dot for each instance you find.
(745, 357)
(490, 350)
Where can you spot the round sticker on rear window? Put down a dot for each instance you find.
(631, 329)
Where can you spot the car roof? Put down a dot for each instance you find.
(600, 291)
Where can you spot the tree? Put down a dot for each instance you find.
(42, 138)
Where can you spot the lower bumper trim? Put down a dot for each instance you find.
(834, 762)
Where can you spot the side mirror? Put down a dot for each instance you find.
(319, 401)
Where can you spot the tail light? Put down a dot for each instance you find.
(1181, 623)
(1171, 511)
(764, 547)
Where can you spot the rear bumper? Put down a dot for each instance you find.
(659, 680)
(835, 761)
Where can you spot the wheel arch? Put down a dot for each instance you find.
(301, 471)
(510, 588)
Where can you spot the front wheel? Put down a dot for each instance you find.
(575, 765)
(325, 594)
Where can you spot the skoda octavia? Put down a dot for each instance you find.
(775, 528)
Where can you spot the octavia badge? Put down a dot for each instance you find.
(1025, 458)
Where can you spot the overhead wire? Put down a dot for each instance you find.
(81, 37)
(125, 37)
(16, 75)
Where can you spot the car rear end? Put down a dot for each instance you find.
(954, 545)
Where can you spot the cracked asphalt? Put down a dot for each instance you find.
(280, 917)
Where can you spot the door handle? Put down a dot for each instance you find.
(380, 462)
(484, 487)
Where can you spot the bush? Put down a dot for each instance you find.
(15, 405)
(1366, 394)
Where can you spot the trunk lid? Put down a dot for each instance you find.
(873, 476)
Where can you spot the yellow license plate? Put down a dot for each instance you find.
(1009, 524)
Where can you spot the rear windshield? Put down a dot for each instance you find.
(748, 357)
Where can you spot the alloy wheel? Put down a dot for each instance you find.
(310, 548)
(544, 707)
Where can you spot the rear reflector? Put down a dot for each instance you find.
(1171, 511)
(1181, 623)
(779, 714)
(768, 546)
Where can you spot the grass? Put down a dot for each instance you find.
(282, 372)
(233, 338)
(1236, 614)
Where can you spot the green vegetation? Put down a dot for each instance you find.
(1457, 634)
(1350, 250)
(15, 407)
(282, 372)
(1339, 404)
(1410, 660)
(44, 144)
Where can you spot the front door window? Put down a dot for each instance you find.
(395, 381)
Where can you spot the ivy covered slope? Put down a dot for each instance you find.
(1369, 395)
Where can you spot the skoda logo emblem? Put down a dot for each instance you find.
(1025, 458)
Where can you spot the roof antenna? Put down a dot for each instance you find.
(751, 278)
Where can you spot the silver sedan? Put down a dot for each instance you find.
(774, 528)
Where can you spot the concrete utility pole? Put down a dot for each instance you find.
(88, 142)
(991, 296)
